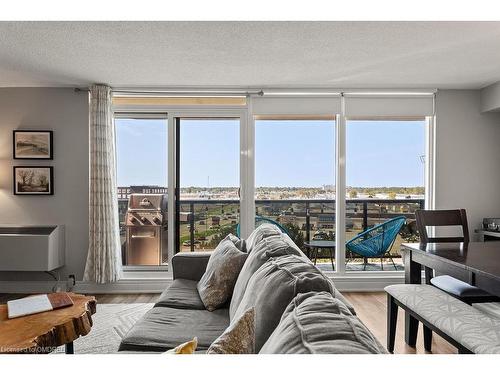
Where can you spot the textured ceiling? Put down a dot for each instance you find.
(251, 54)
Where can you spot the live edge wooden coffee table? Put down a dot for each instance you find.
(44, 332)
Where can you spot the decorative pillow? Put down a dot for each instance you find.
(268, 247)
(186, 348)
(238, 242)
(217, 283)
(318, 323)
(238, 338)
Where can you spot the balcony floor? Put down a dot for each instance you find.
(358, 266)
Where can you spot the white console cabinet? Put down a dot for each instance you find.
(31, 248)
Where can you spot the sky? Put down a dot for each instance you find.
(141, 152)
(287, 153)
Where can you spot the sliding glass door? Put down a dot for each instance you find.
(295, 182)
(385, 180)
(323, 168)
(142, 171)
(208, 178)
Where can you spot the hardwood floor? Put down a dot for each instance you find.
(127, 298)
(370, 308)
(103, 298)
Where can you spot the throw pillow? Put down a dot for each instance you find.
(186, 348)
(238, 242)
(217, 283)
(238, 338)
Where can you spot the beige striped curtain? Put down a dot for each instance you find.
(104, 256)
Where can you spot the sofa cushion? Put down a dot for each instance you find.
(182, 294)
(272, 246)
(163, 328)
(273, 286)
(217, 283)
(317, 323)
(262, 231)
(341, 298)
(190, 265)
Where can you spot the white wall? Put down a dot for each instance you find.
(66, 113)
(490, 98)
(467, 156)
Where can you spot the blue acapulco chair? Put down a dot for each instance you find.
(261, 220)
(376, 241)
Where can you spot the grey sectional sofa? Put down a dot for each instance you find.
(279, 281)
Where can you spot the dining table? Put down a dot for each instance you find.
(477, 263)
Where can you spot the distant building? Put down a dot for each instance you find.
(287, 218)
(326, 221)
(185, 217)
(125, 191)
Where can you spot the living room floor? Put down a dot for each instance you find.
(370, 308)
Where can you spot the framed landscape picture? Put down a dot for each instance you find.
(33, 180)
(33, 145)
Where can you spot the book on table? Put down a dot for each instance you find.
(39, 303)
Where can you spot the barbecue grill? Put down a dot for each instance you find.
(146, 226)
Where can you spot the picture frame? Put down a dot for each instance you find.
(33, 180)
(33, 144)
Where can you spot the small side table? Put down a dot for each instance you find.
(43, 332)
(314, 245)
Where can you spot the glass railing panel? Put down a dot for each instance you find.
(203, 224)
(367, 214)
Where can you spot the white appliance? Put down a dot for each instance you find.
(31, 248)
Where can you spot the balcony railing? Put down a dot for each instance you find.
(204, 222)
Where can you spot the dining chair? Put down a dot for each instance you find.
(455, 287)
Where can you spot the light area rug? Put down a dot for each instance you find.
(111, 322)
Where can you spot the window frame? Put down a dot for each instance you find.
(247, 172)
(320, 116)
(428, 182)
(142, 116)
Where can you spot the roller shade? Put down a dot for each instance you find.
(364, 106)
(286, 106)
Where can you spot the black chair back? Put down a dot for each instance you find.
(440, 218)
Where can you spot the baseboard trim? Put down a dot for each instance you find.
(372, 283)
(31, 286)
(365, 284)
(124, 286)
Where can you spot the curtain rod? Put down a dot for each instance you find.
(180, 92)
(270, 92)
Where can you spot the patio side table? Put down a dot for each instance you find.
(315, 245)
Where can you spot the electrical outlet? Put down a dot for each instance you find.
(71, 282)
